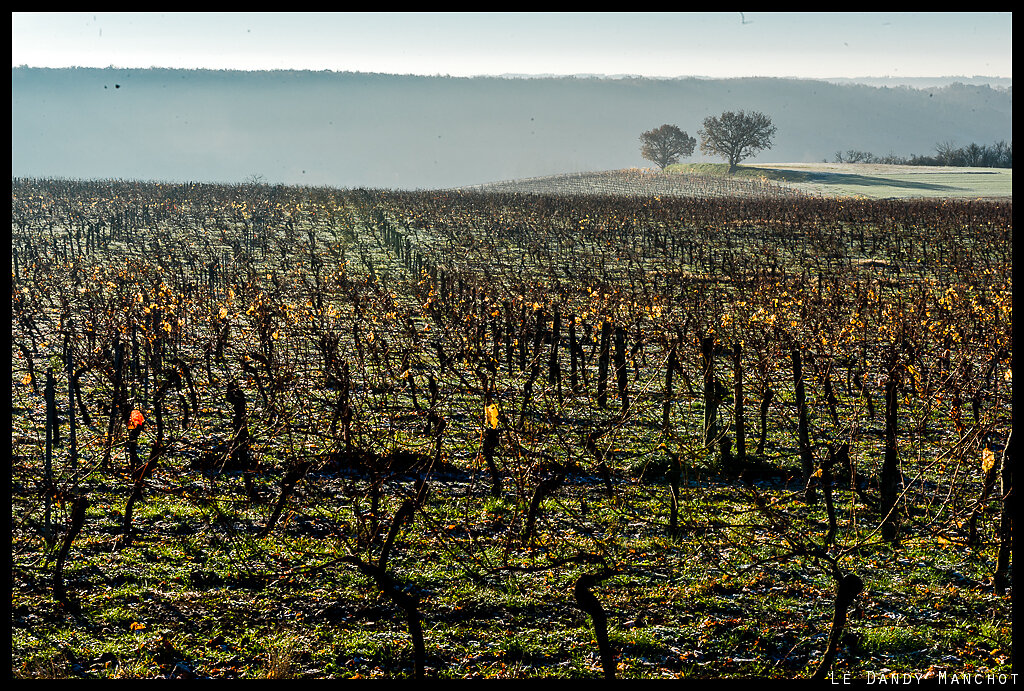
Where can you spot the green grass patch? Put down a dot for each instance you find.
(743, 171)
(868, 180)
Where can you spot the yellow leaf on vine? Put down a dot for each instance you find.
(988, 459)
(491, 415)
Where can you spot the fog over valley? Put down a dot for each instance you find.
(415, 132)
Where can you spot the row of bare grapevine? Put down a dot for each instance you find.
(527, 340)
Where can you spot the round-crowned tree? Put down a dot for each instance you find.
(665, 145)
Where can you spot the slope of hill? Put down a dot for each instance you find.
(641, 182)
(774, 179)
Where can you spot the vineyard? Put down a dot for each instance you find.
(731, 431)
(641, 182)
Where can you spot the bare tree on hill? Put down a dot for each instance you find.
(736, 136)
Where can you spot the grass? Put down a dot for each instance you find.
(872, 181)
(679, 610)
(743, 171)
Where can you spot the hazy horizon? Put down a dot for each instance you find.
(409, 132)
(883, 80)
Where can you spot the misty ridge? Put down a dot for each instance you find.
(352, 130)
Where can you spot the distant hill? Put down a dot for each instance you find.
(914, 82)
(926, 82)
(375, 130)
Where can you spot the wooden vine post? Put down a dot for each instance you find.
(803, 433)
(890, 462)
(738, 421)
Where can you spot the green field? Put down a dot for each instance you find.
(874, 181)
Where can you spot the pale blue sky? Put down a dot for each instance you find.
(725, 44)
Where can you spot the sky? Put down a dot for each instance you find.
(717, 44)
